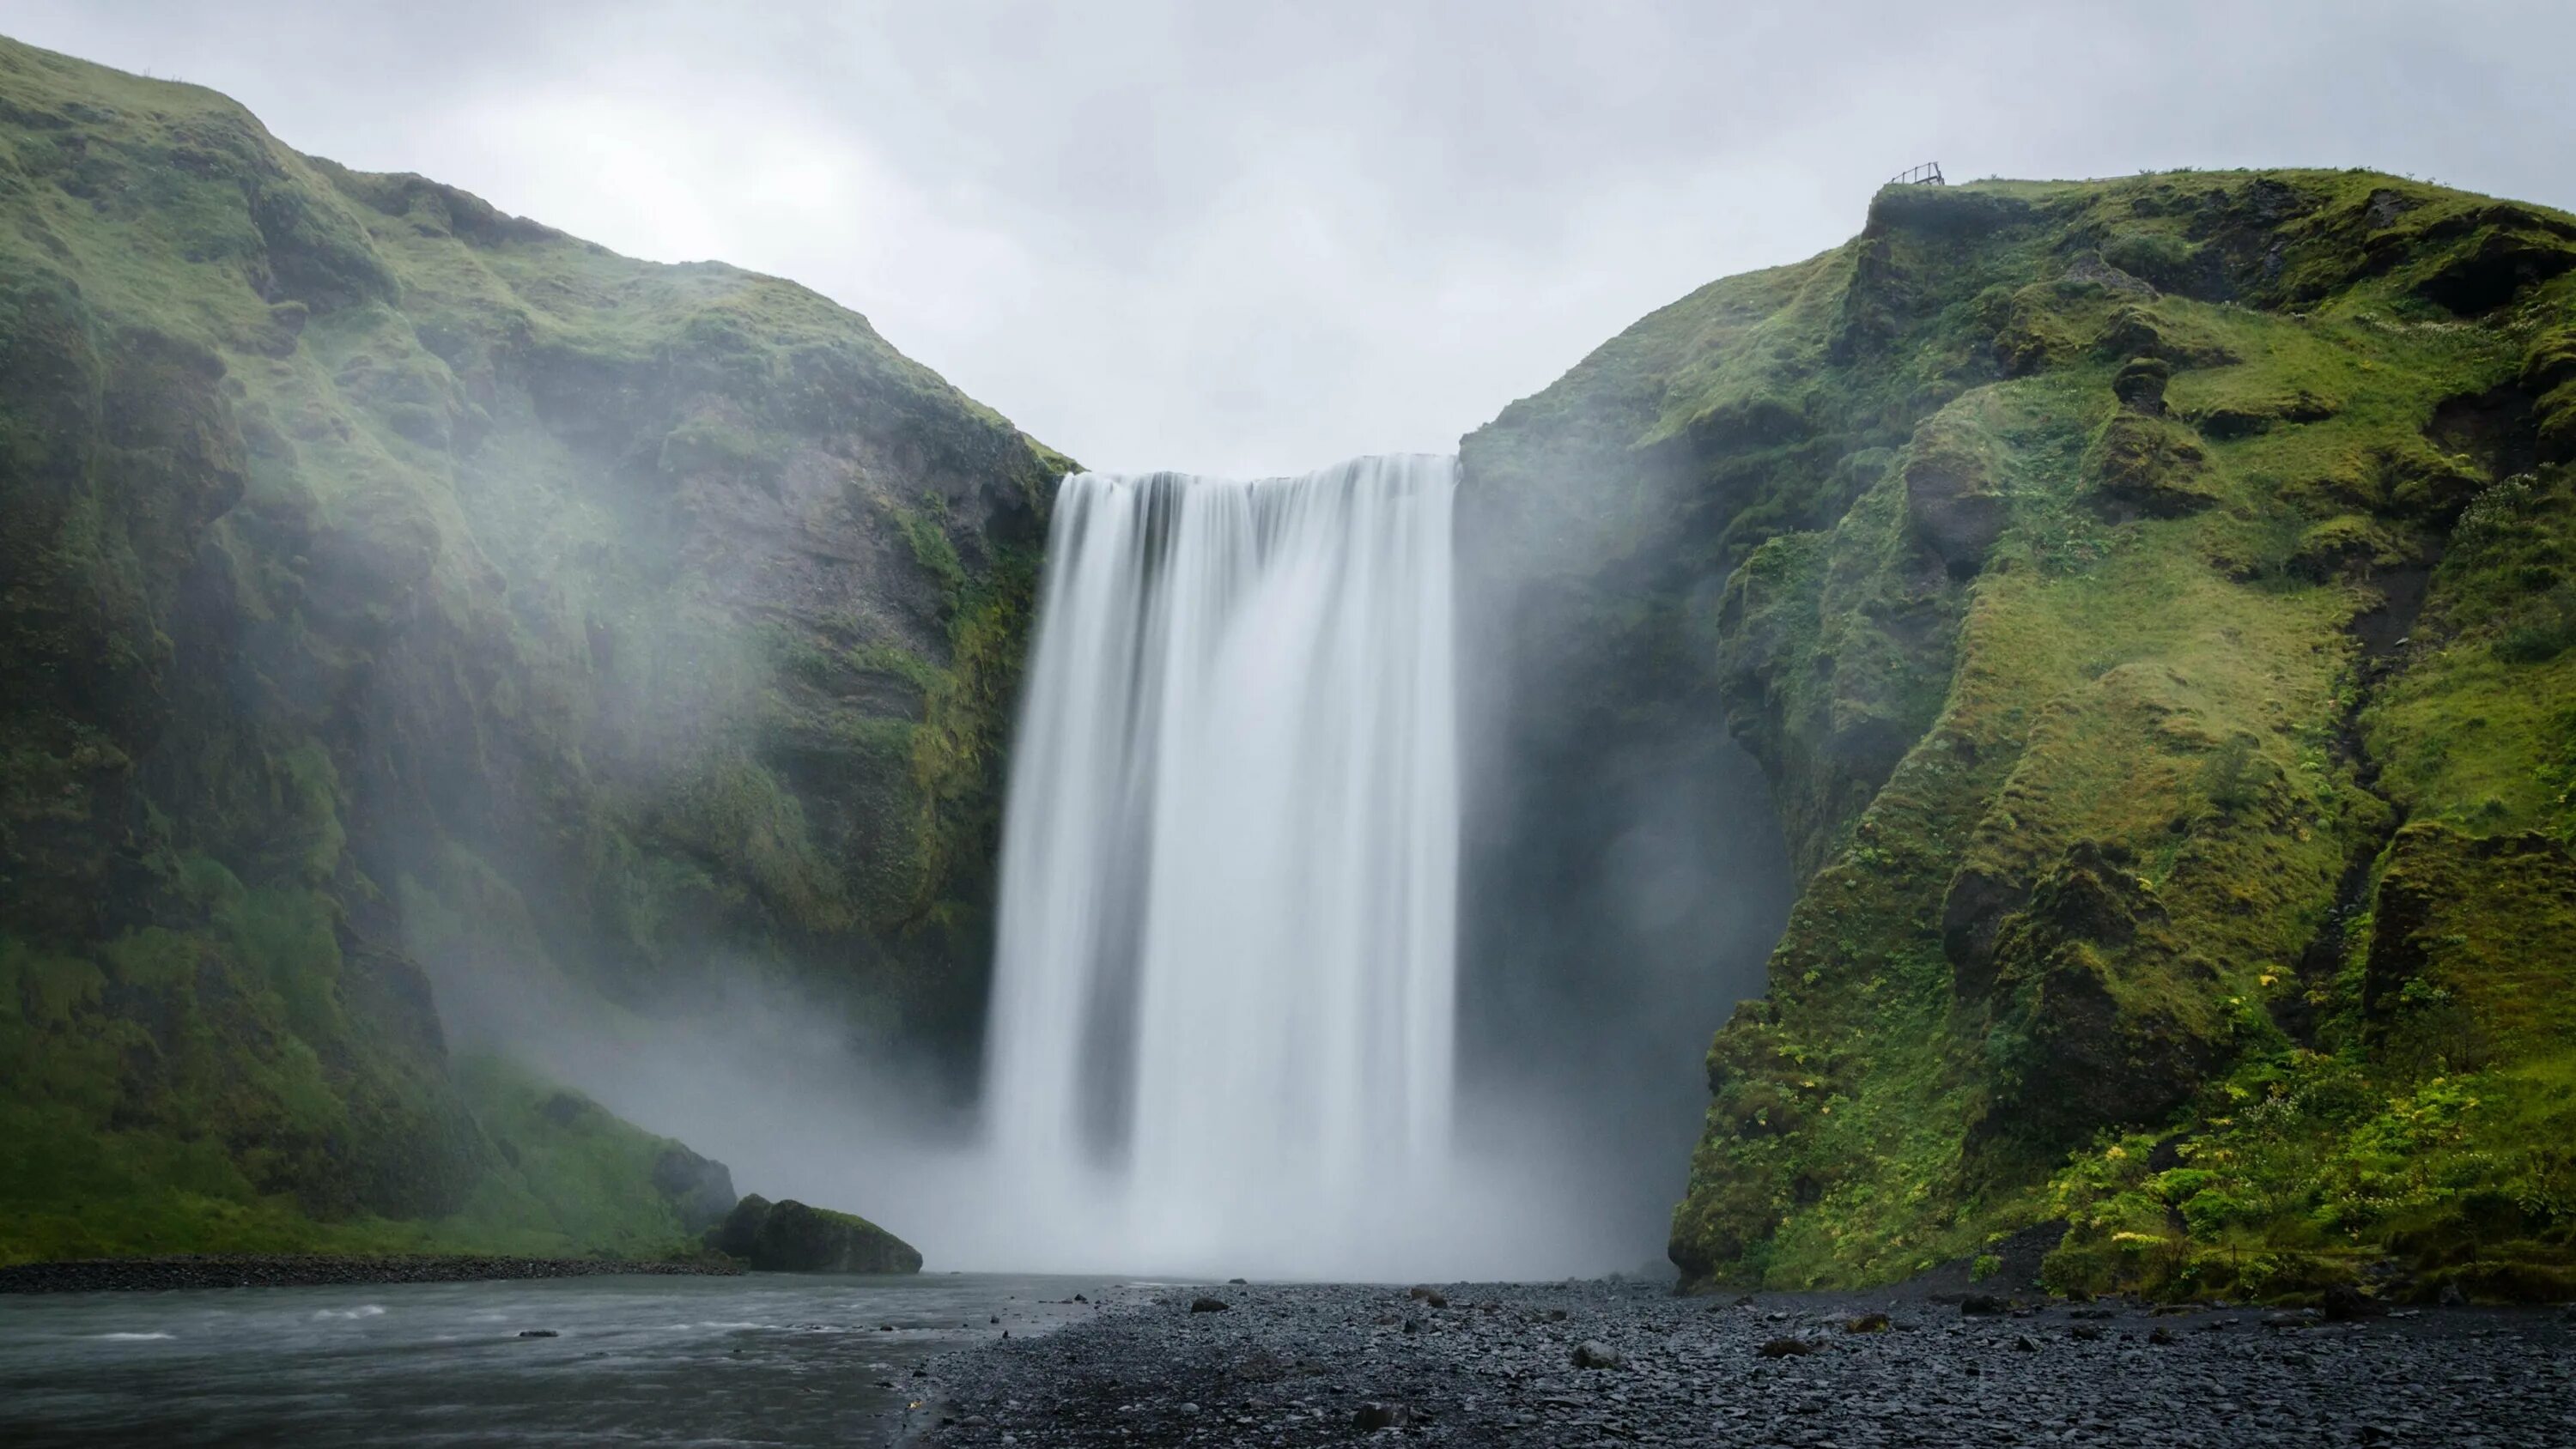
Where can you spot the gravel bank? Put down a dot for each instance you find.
(1498, 1364)
(96, 1275)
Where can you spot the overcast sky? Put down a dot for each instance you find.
(1249, 237)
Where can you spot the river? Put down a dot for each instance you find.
(758, 1359)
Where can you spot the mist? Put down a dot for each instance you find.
(1618, 890)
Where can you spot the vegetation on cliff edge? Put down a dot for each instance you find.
(399, 596)
(2148, 600)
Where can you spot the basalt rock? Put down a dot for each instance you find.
(789, 1237)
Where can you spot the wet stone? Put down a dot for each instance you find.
(1594, 1354)
(1307, 1365)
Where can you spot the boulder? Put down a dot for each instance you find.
(790, 1237)
(2143, 464)
(1952, 503)
(1592, 1353)
(2140, 384)
(1374, 1416)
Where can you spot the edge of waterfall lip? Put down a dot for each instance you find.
(1184, 475)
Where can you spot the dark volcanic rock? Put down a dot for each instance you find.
(1954, 507)
(1309, 1365)
(1372, 1417)
(1594, 1354)
(789, 1237)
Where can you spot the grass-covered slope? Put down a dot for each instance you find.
(2152, 603)
(388, 584)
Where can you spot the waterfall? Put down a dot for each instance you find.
(1223, 999)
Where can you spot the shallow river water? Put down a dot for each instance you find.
(759, 1359)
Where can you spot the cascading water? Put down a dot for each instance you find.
(1223, 1018)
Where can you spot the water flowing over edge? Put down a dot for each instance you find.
(1224, 993)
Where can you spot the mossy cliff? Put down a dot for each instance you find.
(395, 592)
(2154, 605)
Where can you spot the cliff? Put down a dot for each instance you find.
(2149, 601)
(400, 599)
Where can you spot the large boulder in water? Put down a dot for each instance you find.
(789, 1237)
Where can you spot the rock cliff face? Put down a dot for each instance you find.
(395, 592)
(2150, 602)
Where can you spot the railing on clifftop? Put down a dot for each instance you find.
(1927, 174)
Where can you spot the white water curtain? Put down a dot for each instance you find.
(1223, 1014)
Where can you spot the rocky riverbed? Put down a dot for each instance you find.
(1610, 1363)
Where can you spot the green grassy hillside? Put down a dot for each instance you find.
(394, 592)
(2151, 602)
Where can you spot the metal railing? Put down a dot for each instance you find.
(1927, 174)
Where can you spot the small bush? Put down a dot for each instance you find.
(2209, 1210)
(2496, 512)
(2233, 776)
(2545, 629)
(2533, 643)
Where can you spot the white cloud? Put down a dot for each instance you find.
(1253, 238)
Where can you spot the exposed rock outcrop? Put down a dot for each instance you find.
(397, 597)
(2147, 552)
(789, 1237)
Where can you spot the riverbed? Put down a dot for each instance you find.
(1294, 1366)
(980, 1359)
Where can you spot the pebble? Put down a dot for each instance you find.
(1305, 1366)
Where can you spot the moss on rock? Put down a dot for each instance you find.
(789, 1237)
(2148, 553)
(385, 577)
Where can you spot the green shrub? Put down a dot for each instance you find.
(2534, 643)
(2209, 1210)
